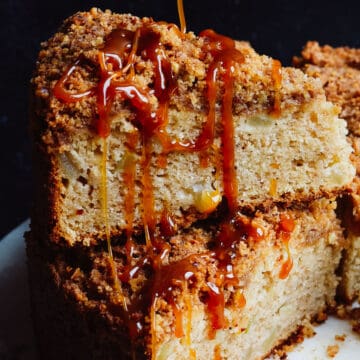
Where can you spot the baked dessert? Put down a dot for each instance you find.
(183, 310)
(84, 96)
(338, 70)
(184, 194)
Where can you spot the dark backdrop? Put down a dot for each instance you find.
(276, 28)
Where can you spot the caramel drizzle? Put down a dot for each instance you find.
(129, 176)
(118, 80)
(277, 78)
(217, 352)
(153, 328)
(225, 57)
(166, 279)
(119, 297)
(286, 227)
(192, 352)
(180, 7)
(68, 96)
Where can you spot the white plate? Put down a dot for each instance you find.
(17, 338)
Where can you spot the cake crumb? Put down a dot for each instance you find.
(332, 350)
(308, 331)
(355, 326)
(340, 337)
(321, 317)
(341, 311)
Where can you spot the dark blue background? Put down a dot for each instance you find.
(276, 28)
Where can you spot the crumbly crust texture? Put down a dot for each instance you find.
(84, 33)
(339, 72)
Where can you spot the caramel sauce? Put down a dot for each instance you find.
(277, 78)
(286, 227)
(232, 232)
(152, 329)
(167, 224)
(216, 305)
(171, 276)
(204, 159)
(148, 194)
(117, 81)
(188, 318)
(104, 196)
(166, 279)
(179, 329)
(180, 7)
(217, 352)
(161, 161)
(225, 56)
(240, 300)
(129, 174)
(62, 93)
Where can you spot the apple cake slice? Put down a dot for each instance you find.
(339, 71)
(235, 298)
(134, 119)
(183, 196)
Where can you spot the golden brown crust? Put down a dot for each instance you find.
(339, 72)
(84, 34)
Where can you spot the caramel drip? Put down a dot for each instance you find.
(240, 300)
(188, 305)
(167, 225)
(153, 329)
(173, 275)
(192, 354)
(228, 140)
(217, 352)
(225, 57)
(118, 81)
(216, 305)
(129, 175)
(180, 7)
(286, 227)
(105, 214)
(179, 329)
(277, 78)
(148, 196)
(204, 159)
(288, 264)
(232, 231)
(104, 196)
(165, 280)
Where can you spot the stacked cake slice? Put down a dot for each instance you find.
(185, 194)
(338, 70)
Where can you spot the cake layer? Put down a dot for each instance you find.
(135, 121)
(221, 290)
(338, 70)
